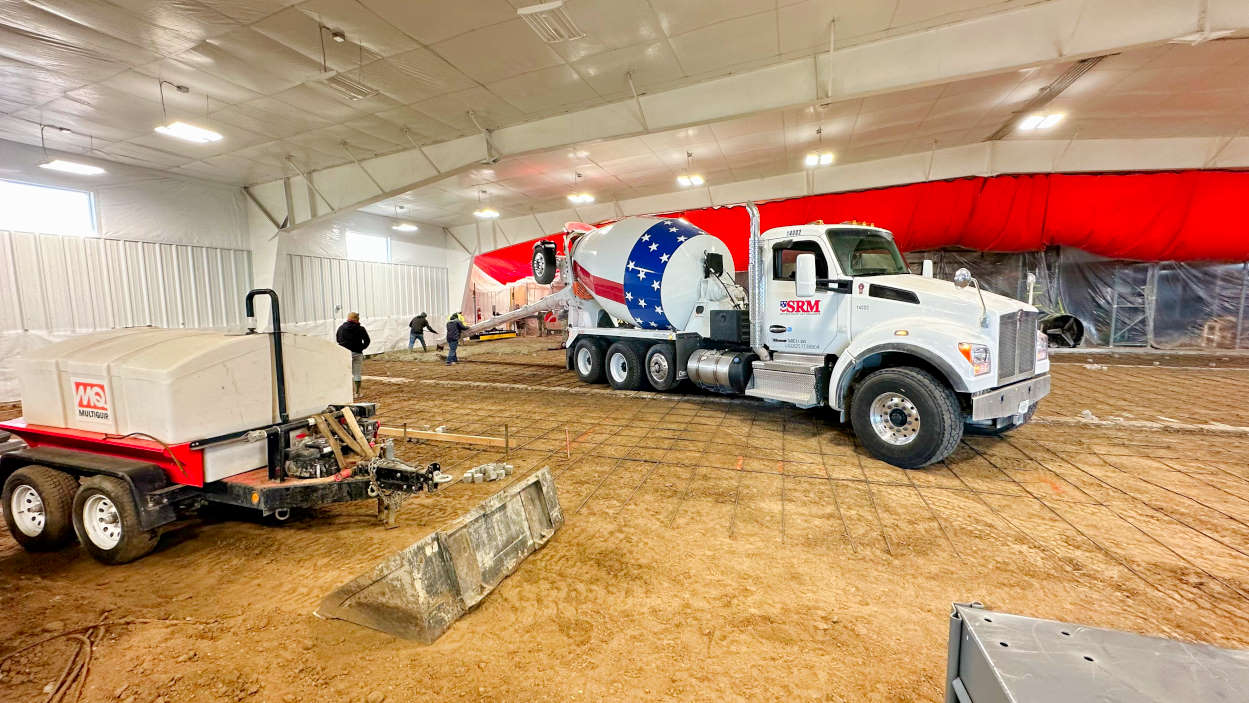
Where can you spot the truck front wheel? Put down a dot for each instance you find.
(38, 502)
(107, 521)
(906, 417)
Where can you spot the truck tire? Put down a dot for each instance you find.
(107, 521)
(990, 430)
(38, 505)
(661, 367)
(906, 417)
(543, 263)
(623, 366)
(587, 360)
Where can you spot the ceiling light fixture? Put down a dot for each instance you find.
(404, 227)
(338, 37)
(64, 165)
(688, 179)
(579, 197)
(73, 167)
(550, 21)
(183, 130)
(818, 157)
(484, 212)
(1032, 122)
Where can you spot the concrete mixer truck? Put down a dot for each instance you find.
(831, 317)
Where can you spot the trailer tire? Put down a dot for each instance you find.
(587, 360)
(623, 366)
(51, 494)
(907, 417)
(980, 430)
(107, 521)
(661, 367)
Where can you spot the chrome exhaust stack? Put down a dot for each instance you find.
(758, 285)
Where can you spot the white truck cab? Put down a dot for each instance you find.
(832, 316)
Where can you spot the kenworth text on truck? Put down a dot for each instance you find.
(831, 316)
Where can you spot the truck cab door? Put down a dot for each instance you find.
(805, 321)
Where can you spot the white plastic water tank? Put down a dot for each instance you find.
(177, 385)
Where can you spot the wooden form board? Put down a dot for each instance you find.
(405, 433)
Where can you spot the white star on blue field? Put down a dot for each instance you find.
(647, 262)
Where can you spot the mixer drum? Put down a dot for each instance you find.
(646, 270)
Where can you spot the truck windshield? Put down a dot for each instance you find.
(863, 253)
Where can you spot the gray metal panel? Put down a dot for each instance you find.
(315, 285)
(1012, 658)
(67, 284)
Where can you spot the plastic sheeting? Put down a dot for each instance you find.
(1166, 305)
(1176, 216)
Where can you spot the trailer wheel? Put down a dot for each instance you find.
(624, 367)
(587, 361)
(661, 367)
(38, 504)
(107, 521)
(906, 417)
(990, 429)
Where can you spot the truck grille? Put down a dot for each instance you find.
(1016, 354)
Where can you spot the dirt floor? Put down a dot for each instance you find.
(714, 549)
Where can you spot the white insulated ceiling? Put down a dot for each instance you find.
(1171, 90)
(255, 73)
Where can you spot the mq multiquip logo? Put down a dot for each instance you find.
(800, 307)
(90, 400)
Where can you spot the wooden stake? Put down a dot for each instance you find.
(368, 451)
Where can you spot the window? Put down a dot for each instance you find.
(863, 253)
(25, 207)
(785, 259)
(368, 247)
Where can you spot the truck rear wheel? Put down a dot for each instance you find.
(587, 361)
(624, 367)
(107, 521)
(38, 503)
(661, 367)
(906, 417)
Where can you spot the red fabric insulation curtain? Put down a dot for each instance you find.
(1167, 216)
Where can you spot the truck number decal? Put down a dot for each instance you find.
(90, 400)
(800, 307)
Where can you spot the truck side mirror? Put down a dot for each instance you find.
(805, 276)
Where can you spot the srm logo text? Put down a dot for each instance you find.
(805, 307)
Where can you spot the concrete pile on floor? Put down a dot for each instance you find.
(421, 590)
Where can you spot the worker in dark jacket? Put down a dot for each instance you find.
(418, 325)
(353, 337)
(455, 327)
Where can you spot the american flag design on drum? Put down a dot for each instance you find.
(644, 271)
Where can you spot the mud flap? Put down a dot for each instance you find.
(418, 592)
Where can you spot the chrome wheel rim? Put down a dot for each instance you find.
(584, 361)
(28, 512)
(101, 521)
(618, 367)
(894, 418)
(659, 368)
(539, 265)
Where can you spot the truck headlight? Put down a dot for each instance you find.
(978, 356)
(1042, 346)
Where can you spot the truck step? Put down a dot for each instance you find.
(773, 384)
